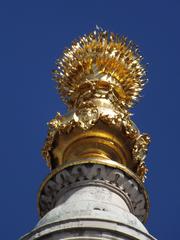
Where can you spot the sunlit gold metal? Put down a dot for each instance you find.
(99, 78)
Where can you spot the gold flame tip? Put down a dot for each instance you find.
(106, 53)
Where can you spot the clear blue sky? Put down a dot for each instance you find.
(33, 34)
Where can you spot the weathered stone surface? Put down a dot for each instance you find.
(96, 206)
(114, 179)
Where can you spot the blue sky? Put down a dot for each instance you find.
(33, 34)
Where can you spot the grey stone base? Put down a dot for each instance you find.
(87, 229)
(91, 202)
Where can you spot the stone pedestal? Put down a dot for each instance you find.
(91, 201)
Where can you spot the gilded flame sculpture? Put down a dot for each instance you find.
(99, 78)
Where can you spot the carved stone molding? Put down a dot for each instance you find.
(88, 174)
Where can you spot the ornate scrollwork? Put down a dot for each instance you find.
(86, 118)
(139, 153)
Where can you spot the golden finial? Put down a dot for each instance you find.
(99, 77)
(98, 53)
